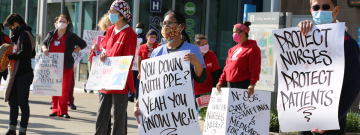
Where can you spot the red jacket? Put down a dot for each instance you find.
(243, 63)
(6, 40)
(121, 44)
(212, 64)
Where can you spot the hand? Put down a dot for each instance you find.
(305, 27)
(94, 48)
(46, 52)
(218, 86)
(192, 58)
(138, 77)
(318, 131)
(103, 57)
(251, 89)
(137, 112)
(104, 90)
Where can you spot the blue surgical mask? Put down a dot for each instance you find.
(323, 17)
(138, 31)
(114, 18)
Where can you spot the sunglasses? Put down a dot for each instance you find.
(324, 7)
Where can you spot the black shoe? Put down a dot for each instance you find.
(21, 133)
(51, 107)
(65, 116)
(72, 107)
(91, 91)
(52, 114)
(11, 132)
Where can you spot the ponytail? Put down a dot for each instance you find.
(185, 37)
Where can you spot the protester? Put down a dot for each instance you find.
(243, 64)
(71, 92)
(140, 32)
(63, 41)
(120, 40)
(3, 39)
(325, 12)
(173, 29)
(212, 67)
(19, 96)
(145, 51)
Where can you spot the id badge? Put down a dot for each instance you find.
(57, 43)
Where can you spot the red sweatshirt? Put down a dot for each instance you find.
(121, 44)
(243, 63)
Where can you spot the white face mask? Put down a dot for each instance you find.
(61, 25)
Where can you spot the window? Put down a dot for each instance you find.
(32, 19)
(5, 12)
(53, 10)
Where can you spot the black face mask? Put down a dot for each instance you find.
(15, 29)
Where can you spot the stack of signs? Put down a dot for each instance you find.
(307, 93)
(166, 97)
(111, 74)
(48, 74)
(234, 112)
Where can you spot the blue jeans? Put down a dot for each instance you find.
(19, 97)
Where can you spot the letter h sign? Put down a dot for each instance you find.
(155, 6)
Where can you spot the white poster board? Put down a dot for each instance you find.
(166, 96)
(111, 74)
(77, 57)
(135, 68)
(310, 72)
(48, 74)
(89, 36)
(233, 112)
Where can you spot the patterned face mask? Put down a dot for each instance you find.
(170, 33)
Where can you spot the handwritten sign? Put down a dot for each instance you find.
(77, 57)
(234, 112)
(48, 74)
(308, 94)
(89, 36)
(111, 74)
(203, 101)
(166, 97)
(139, 41)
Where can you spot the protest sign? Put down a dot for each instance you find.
(111, 74)
(166, 97)
(99, 45)
(89, 36)
(48, 74)
(203, 101)
(139, 41)
(77, 57)
(234, 112)
(307, 93)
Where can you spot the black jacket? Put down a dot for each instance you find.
(72, 40)
(26, 53)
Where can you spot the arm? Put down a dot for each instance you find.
(26, 48)
(80, 43)
(77, 49)
(139, 63)
(215, 68)
(255, 64)
(215, 75)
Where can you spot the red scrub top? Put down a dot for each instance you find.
(145, 52)
(212, 64)
(61, 47)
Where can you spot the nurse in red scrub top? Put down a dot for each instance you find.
(146, 49)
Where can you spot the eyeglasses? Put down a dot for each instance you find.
(324, 7)
(162, 24)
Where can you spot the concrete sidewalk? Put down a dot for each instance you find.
(82, 120)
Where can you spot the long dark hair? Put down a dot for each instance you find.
(181, 20)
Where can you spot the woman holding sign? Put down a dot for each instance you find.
(120, 40)
(63, 41)
(173, 29)
(145, 50)
(243, 64)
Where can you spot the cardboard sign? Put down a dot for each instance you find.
(166, 97)
(135, 66)
(89, 36)
(48, 74)
(77, 57)
(111, 74)
(203, 101)
(234, 112)
(310, 73)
